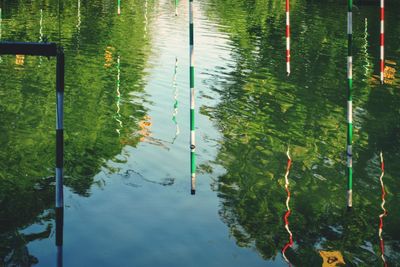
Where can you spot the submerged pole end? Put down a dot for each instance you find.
(59, 225)
(349, 208)
(193, 192)
(349, 199)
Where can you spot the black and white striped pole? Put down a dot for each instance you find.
(60, 153)
(50, 50)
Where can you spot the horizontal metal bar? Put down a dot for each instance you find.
(33, 49)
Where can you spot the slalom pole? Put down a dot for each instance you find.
(176, 103)
(41, 26)
(288, 37)
(119, 7)
(41, 33)
(118, 130)
(176, 7)
(59, 152)
(145, 18)
(288, 211)
(349, 105)
(192, 102)
(382, 41)
(365, 48)
(382, 246)
(0, 30)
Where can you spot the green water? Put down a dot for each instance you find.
(127, 160)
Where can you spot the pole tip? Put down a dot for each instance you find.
(349, 208)
(193, 192)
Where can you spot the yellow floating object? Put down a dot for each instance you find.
(19, 59)
(331, 258)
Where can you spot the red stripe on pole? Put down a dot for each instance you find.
(382, 65)
(382, 13)
(287, 55)
(289, 164)
(287, 5)
(287, 31)
(382, 39)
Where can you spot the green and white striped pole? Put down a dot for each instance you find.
(349, 105)
(118, 115)
(119, 7)
(176, 7)
(176, 103)
(41, 26)
(192, 130)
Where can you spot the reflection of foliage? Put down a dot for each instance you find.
(261, 112)
(15, 243)
(27, 107)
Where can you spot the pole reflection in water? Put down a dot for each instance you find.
(118, 115)
(59, 240)
(78, 24)
(288, 211)
(175, 112)
(1, 60)
(365, 49)
(41, 26)
(119, 7)
(41, 33)
(382, 246)
(145, 18)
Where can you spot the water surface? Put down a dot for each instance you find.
(127, 175)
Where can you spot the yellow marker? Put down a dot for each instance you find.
(19, 59)
(331, 258)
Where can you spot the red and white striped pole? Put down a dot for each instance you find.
(288, 210)
(382, 40)
(287, 37)
(384, 212)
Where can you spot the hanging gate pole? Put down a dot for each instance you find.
(192, 101)
(288, 37)
(350, 105)
(382, 42)
(49, 50)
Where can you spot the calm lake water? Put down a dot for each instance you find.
(127, 161)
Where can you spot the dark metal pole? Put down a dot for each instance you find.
(59, 149)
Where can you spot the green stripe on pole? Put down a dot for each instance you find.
(193, 165)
